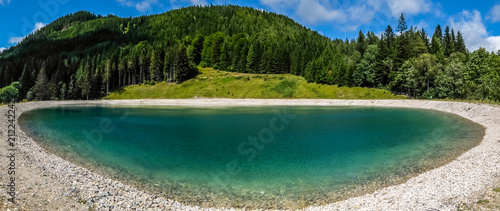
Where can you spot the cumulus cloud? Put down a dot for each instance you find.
(279, 5)
(2, 49)
(15, 40)
(127, 3)
(4, 2)
(350, 15)
(313, 11)
(494, 14)
(38, 26)
(141, 6)
(408, 7)
(199, 2)
(474, 31)
(145, 5)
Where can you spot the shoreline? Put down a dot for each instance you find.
(71, 187)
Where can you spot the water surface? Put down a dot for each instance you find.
(255, 157)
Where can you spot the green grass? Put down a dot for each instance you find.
(496, 190)
(211, 83)
(482, 202)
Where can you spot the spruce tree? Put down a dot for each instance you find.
(183, 70)
(41, 90)
(361, 43)
(402, 26)
(437, 38)
(449, 45)
(460, 44)
(197, 48)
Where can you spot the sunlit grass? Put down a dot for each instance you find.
(212, 83)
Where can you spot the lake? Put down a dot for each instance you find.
(254, 157)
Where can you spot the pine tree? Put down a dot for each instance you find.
(402, 26)
(224, 57)
(86, 80)
(437, 40)
(361, 43)
(107, 74)
(251, 60)
(449, 45)
(197, 48)
(425, 38)
(40, 88)
(460, 44)
(183, 70)
(156, 66)
(389, 39)
(438, 35)
(26, 80)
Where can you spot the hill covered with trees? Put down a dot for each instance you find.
(85, 56)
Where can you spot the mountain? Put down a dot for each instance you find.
(86, 56)
(82, 54)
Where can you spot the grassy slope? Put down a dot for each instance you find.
(212, 83)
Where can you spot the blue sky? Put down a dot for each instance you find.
(478, 21)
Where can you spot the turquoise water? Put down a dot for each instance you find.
(256, 157)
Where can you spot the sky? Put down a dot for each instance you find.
(478, 21)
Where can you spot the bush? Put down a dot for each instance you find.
(9, 93)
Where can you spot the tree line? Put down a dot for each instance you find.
(85, 56)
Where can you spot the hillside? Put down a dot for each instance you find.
(87, 56)
(212, 83)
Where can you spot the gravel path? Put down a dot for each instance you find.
(46, 182)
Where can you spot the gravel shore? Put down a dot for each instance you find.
(46, 182)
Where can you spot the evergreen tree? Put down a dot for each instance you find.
(361, 43)
(86, 80)
(251, 60)
(460, 45)
(183, 70)
(224, 61)
(40, 88)
(402, 26)
(26, 80)
(156, 65)
(425, 38)
(198, 48)
(365, 74)
(449, 44)
(438, 34)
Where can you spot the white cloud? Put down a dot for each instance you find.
(127, 3)
(350, 15)
(375, 4)
(199, 2)
(2, 49)
(4, 2)
(494, 14)
(422, 24)
(278, 5)
(408, 7)
(145, 5)
(312, 11)
(474, 31)
(15, 40)
(141, 6)
(360, 14)
(38, 26)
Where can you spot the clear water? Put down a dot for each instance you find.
(255, 157)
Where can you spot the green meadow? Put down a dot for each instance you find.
(211, 83)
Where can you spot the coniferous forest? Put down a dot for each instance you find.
(86, 56)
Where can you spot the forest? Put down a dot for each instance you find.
(87, 56)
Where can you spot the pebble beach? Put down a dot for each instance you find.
(45, 181)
